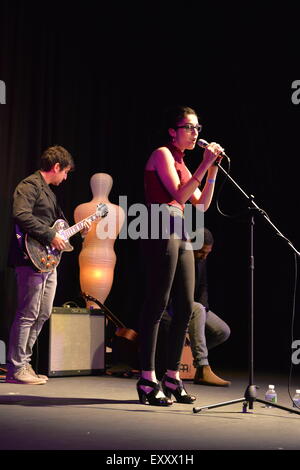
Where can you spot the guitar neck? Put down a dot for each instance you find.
(69, 232)
(109, 314)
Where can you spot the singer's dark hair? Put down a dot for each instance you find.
(171, 116)
(175, 114)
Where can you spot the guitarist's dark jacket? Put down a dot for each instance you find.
(35, 210)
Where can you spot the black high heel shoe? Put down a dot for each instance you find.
(151, 398)
(177, 392)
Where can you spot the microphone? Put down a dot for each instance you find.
(203, 143)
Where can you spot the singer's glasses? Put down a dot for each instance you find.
(189, 127)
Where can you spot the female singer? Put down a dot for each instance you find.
(169, 259)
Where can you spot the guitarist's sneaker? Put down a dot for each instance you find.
(33, 373)
(22, 376)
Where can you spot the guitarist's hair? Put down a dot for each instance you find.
(56, 154)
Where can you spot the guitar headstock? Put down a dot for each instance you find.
(90, 298)
(101, 210)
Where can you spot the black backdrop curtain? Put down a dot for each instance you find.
(96, 83)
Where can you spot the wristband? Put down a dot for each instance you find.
(195, 178)
(210, 180)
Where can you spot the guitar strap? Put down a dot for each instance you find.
(52, 196)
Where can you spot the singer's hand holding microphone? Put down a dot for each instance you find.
(213, 151)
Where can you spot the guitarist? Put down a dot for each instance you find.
(35, 209)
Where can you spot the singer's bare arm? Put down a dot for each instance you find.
(207, 192)
(162, 161)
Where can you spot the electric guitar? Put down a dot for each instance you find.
(45, 257)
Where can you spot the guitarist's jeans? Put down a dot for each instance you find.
(36, 293)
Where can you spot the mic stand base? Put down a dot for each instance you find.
(247, 400)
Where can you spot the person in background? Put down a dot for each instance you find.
(205, 331)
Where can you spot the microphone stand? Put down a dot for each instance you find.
(250, 393)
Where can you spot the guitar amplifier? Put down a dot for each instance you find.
(72, 342)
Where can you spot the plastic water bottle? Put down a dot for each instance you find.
(271, 395)
(296, 399)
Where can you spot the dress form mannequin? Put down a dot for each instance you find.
(97, 258)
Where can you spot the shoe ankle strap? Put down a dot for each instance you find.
(148, 383)
(171, 380)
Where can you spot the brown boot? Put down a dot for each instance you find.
(205, 376)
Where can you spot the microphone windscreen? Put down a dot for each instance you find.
(202, 143)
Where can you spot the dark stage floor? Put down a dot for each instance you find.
(103, 413)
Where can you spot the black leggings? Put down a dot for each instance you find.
(169, 266)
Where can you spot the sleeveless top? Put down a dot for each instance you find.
(155, 191)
